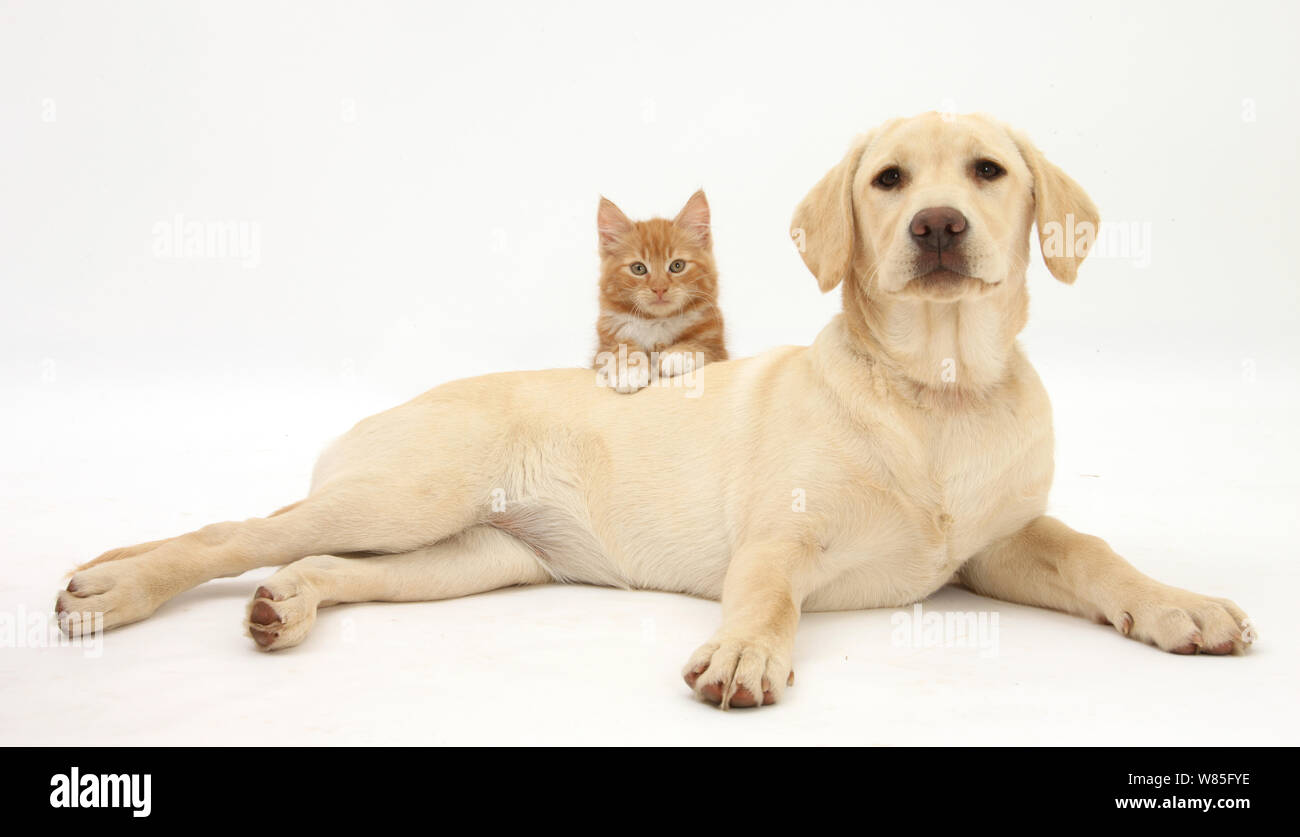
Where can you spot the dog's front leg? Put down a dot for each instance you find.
(748, 661)
(1048, 564)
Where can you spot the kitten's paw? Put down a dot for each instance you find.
(631, 379)
(673, 364)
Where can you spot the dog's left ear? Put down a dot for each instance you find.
(1064, 214)
(824, 227)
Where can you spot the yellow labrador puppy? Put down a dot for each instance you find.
(910, 446)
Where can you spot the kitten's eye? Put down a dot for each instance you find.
(677, 266)
(888, 178)
(638, 268)
(988, 170)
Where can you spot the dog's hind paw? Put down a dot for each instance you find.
(282, 612)
(106, 596)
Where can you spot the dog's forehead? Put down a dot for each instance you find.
(934, 137)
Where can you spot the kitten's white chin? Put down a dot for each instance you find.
(660, 309)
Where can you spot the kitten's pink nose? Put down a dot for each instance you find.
(660, 292)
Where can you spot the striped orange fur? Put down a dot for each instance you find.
(659, 287)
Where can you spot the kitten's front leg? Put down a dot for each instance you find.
(684, 358)
(678, 360)
(622, 369)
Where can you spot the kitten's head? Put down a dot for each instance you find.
(656, 268)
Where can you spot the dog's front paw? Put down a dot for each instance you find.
(1180, 622)
(733, 672)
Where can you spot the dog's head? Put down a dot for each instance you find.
(939, 208)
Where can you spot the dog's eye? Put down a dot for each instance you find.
(988, 170)
(638, 268)
(888, 178)
(677, 266)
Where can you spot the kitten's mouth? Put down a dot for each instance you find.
(659, 306)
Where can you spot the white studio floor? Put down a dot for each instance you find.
(1205, 500)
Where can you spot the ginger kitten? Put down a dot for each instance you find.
(658, 296)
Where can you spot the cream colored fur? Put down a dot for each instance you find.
(909, 447)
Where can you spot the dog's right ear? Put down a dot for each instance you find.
(611, 224)
(1060, 205)
(824, 226)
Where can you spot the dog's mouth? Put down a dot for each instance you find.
(944, 279)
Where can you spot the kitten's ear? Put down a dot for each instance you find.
(694, 219)
(611, 224)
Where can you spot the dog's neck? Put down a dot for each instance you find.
(938, 352)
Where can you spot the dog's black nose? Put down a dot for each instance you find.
(937, 228)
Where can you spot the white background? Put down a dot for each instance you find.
(424, 178)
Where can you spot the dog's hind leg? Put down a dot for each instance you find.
(481, 558)
(141, 548)
(347, 516)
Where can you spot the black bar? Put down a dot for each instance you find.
(208, 787)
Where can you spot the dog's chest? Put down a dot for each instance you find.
(991, 473)
(929, 505)
(935, 496)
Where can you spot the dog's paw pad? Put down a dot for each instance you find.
(264, 639)
(281, 612)
(262, 612)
